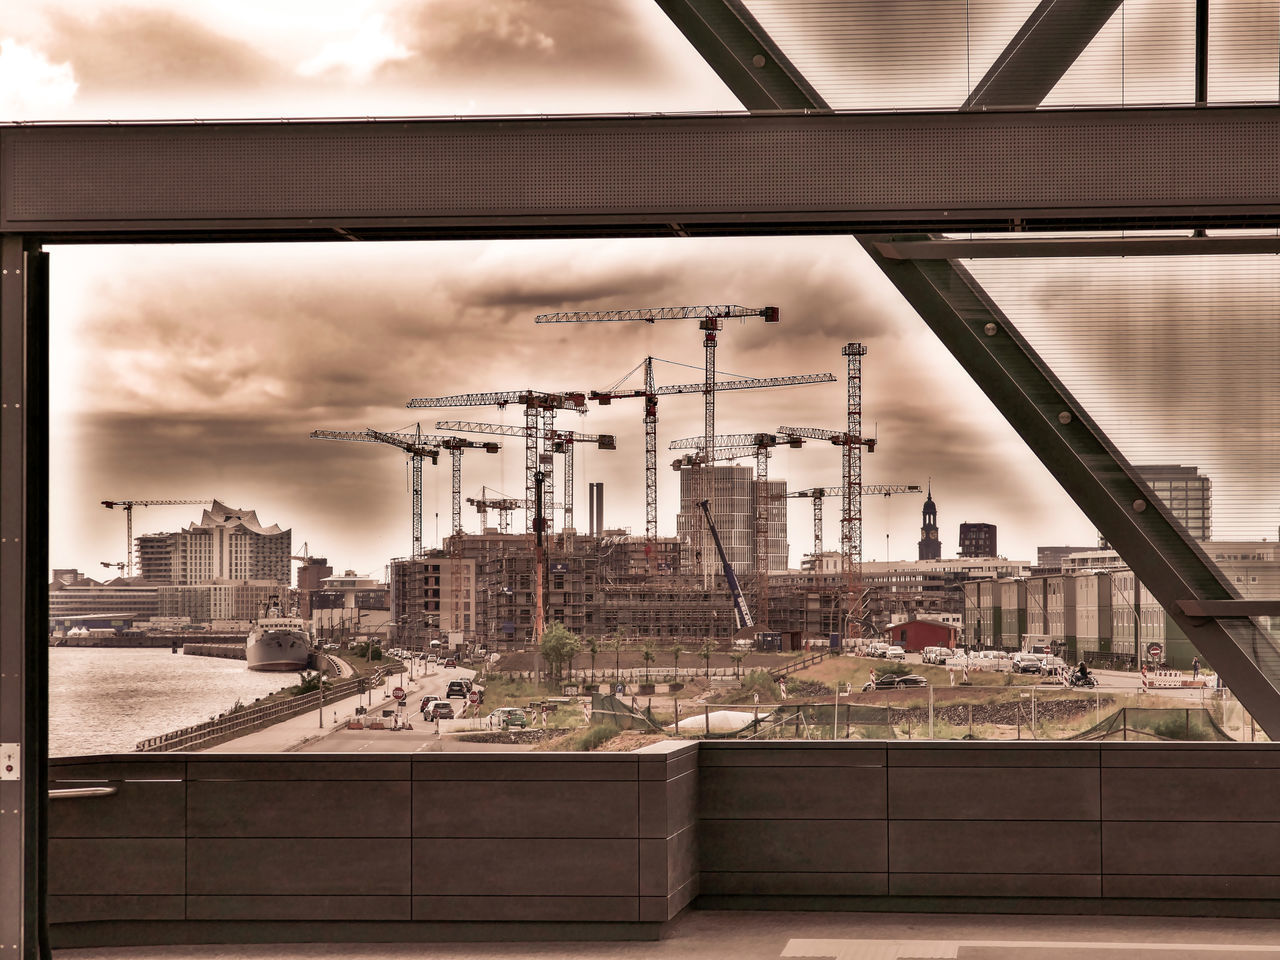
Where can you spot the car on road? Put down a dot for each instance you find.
(892, 681)
(877, 649)
(895, 653)
(457, 688)
(438, 710)
(508, 717)
(450, 662)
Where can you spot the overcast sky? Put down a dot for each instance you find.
(199, 371)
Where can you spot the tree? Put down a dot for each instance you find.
(737, 659)
(593, 647)
(705, 652)
(648, 654)
(675, 656)
(559, 646)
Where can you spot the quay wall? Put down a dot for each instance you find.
(604, 846)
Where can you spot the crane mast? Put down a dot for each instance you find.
(128, 506)
(851, 441)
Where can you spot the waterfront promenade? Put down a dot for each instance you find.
(305, 731)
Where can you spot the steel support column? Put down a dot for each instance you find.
(24, 494)
(1093, 473)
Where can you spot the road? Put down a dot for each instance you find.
(423, 737)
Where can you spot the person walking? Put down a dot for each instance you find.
(1195, 668)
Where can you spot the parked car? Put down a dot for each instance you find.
(456, 688)
(933, 654)
(508, 717)
(438, 710)
(1025, 663)
(450, 662)
(877, 649)
(895, 653)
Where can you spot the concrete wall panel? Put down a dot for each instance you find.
(117, 867)
(525, 808)
(301, 867)
(1003, 885)
(298, 808)
(799, 846)
(792, 792)
(1005, 793)
(1146, 794)
(326, 908)
(981, 846)
(508, 909)
(514, 867)
(782, 883)
(271, 767)
(88, 908)
(151, 808)
(1206, 849)
(529, 767)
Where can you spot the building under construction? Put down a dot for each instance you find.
(732, 492)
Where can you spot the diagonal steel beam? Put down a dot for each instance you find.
(1042, 50)
(1093, 472)
(740, 51)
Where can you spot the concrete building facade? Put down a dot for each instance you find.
(226, 544)
(978, 540)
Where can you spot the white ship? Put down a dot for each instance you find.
(278, 642)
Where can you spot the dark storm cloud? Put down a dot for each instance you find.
(127, 49)
(514, 41)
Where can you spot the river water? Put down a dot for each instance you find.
(104, 700)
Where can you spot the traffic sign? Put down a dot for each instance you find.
(1155, 651)
(474, 696)
(398, 693)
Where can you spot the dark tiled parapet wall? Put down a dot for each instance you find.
(220, 848)
(204, 848)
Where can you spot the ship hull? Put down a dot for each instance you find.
(277, 648)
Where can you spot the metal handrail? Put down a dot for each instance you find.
(74, 793)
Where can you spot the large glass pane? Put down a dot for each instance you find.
(1175, 358)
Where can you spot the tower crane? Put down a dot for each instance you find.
(128, 506)
(818, 494)
(761, 444)
(710, 321)
(851, 441)
(562, 441)
(535, 402)
(119, 565)
(504, 505)
(650, 393)
(418, 445)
